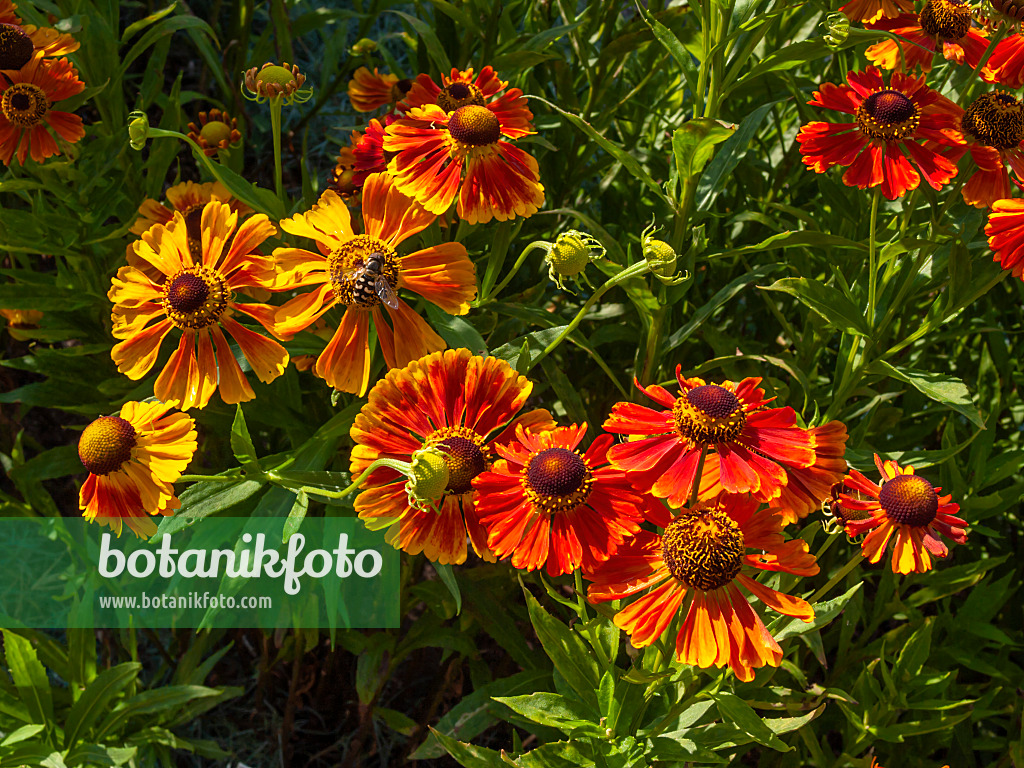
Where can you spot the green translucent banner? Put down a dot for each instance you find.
(222, 572)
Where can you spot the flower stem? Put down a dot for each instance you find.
(873, 259)
(842, 574)
(209, 478)
(695, 490)
(535, 245)
(276, 104)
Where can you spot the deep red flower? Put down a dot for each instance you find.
(1005, 230)
(945, 23)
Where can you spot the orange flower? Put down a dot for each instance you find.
(461, 89)
(701, 558)
(941, 22)
(749, 447)
(465, 405)
(216, 130)
(19, 44)
(343, 177)
(1006, 64)
(368, 92)
(910, 507)
(992, 131)
(27, 97)
(889, 121)
(869, 11)
(432, 147)
(7, 14)
(133, 460)
(188, 198)
(196, 292)
(547, 503)
(339, 273)
(1005, 230)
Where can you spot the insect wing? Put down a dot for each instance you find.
(384, 291)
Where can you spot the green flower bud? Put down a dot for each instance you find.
(428, 477)
(138, 129)
(569, 255)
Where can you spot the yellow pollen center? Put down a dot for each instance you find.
(474, 126)
(946, 19)
(909, 500)
(24, 104)
(556, 480)
(456, 95)
(15, 47)
(106, 444)
(195, 298)
(215, 131)
(353, 284)
(275, 74)
(996, 120)
(709, 414)
(703, 549)
(888, 115)
(569, 255)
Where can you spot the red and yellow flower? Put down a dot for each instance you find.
(462, 89)
(20, 43)
(344, 173)
(945, 23)
(27, 98)
(196, 290)
(369, 91)
(433, 147)
(749, 448)
(1006, 63)
(216, 131)
(189, 199)
(868, 11)
(460, 403)
(890, 120)
(703, 558)
(547, 503)
(133, 460)
(1005, 231)
(906, 505)
(442, 274)
(7, 13)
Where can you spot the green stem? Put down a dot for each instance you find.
(873, 259)
(209, 479)
(276, 104)
(1000, 33)
(496, 258)
(695, 490)
(399, 466)
(842, 574)
(535, 245)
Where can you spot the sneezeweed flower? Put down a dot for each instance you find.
(452, 402)
(1005, 231)
(908, 506)
(197, 291)
(1007, 59)
(869, 11)
(462, 89)
(21, 322)
(567, 258)
(806, 486)
(433, 147)
(889, 121)
(992, 131)
(273, 81)
(748, 446)
(661, 257)
(368, 153)
(7, 14)
(703, 558)
(27, 98)
(133, 460)
(547, 504)
(343, 176)
(216, 131)
(189, 199)
(19, 44)
(369, 91)
(945, 23)
(442, 274)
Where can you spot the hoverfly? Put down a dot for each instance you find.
(368, 281)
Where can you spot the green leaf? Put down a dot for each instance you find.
(434, 48)
(141, 24)
(241, 443)
(295, 516)
(665, 36)
(96, 700)
(737, 711)
(157, 701)
(694, 142)
(21, 734)
(29, 677)
(456, 331)
(729, 156)
(573, 660)
(204, 499)
(550, 709)
(447, 575)
(823, 614)
(941, 388)
(468, 755)
(827, 301)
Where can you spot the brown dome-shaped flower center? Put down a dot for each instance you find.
(557, 480)
(909, 500)
(1012, 8)
(709, 414)
(474, 126)
(106, 444)
(995, 119)
(215, 131)
(456, 95)
(703, 549)
(888, 115)
(353, 281)
(195, 298)
(15, 47)
(399, 89)
(842, 513)
(946, 19)
(465, 461)
(24, 104)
